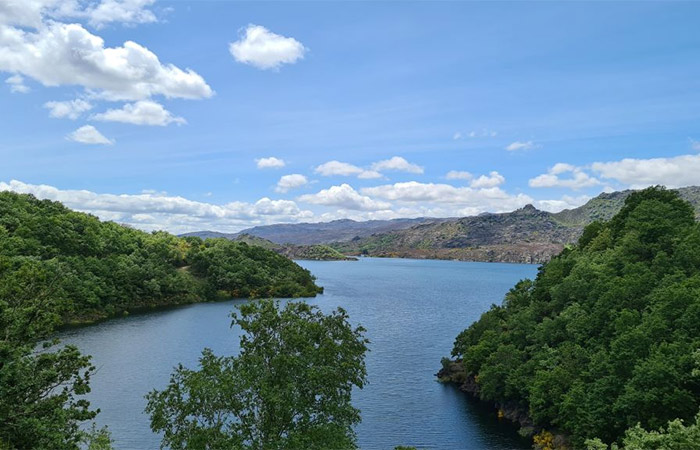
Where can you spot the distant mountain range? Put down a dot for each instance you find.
(525, 235)
(320, 233)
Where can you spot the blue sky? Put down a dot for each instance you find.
(547, 103)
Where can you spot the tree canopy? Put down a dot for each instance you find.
(603, 339)
(106, 268)
(290, 387)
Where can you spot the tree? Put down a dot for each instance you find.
(290, 386)
(40, 389)
(677, 436)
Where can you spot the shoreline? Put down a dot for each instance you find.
(453, 372)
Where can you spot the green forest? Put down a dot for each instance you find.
(606, 337)
(90, 270)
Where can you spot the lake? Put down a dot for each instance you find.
(412, 309)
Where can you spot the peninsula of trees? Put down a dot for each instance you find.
(92, 270)
(605, 338)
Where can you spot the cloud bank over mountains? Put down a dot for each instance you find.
(485, 193)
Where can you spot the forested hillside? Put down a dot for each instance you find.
(314, 252)
(91, 269)
(606, 336)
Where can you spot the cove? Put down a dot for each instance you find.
(412, 309)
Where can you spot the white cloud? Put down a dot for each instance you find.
(337, 168)
(289, 182)
(71, 109)
(578, 179)
(344, 196)
(398, 164)
(16, 83)
(464, 200)
(264, 49)
(172, 213)
(57, 54)
(120, 11)
(517, 145)
(672, 172)
(493, 179)
(87, 134)
(457, 136)
(31, 13)
(566, 202)
(270, 163)
(458, 175)
(144, 112)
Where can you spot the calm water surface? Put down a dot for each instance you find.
(412, 309)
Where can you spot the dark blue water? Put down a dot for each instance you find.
(412, 309)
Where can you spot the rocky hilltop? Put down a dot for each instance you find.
(526, 235)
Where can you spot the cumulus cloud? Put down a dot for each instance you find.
(457, 136)
(263, 49)
(672, 172)
(31, 13)
(458, 175)
(160, 211)
(144, 112)
(17, 86)
(344, 196)
(463, 199)
(289, 182)
(120, 11)
(493, 179)
(57, 54)
(566, 202)
(517, 145)
(270, 163)
(88, 134)
(337, 168)
(397, 164)
(71, 109)
(578, 179)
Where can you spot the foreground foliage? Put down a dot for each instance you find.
(106, 268)
(290, 387)
(41, 386)
(677, 436)
(604, 338)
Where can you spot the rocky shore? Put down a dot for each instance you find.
(454, 372)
